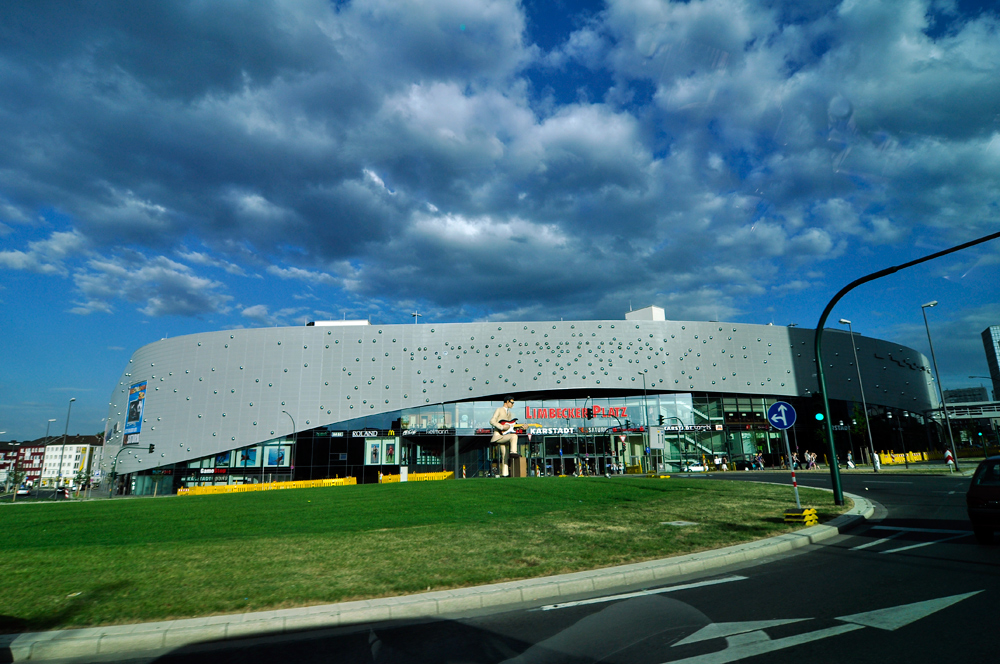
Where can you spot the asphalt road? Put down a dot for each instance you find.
(911, 585)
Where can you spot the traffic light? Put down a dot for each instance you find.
(590, 413)
(661, 420)
(151, 448)
(817, 407)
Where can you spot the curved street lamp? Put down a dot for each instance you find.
(62, 450)
(937, 375)
(864, 404)
(645, 417)
(295, 439)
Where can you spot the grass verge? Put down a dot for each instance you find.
(99, 562)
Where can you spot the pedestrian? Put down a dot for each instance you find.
(795, 461)
(725, 464)
(850, 460)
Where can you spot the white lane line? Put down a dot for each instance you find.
(922, 530)
(886, 482)
(877, 542)
(917, 546)
(641, 593)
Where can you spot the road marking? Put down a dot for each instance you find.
(917, 546)
(726, 629)
(895, 617)
(901, 530)
(886, 482)
(751, 644)
(642, 593)
(737, 652)
(878, 541)
(921, 530)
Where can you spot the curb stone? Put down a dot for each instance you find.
(103, 642)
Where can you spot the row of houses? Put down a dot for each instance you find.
(53, 461)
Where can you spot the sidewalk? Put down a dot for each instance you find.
(159, 637)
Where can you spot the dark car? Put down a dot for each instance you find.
(983, 499)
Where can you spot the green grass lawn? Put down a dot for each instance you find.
(123, 561)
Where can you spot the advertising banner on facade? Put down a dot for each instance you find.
(133, 415)
(248, 458)
(277, 455)
(373, 451)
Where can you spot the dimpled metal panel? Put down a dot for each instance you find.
(216, 391)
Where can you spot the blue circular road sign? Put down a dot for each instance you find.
(781, 415)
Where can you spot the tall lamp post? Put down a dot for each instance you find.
(937, 376)
(7, 482)
(987, 378)
(62, 450)
(295, 439)
(645, 418)
(899, 427)
(864, 404)
(680, 425)
(13, 471)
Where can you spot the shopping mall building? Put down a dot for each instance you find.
(346, 398)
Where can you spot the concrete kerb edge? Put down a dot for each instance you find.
(94, 641)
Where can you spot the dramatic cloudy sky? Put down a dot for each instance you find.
(176, 167)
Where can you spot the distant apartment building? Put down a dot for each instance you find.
(991, 342)
(69, 458)
(966, 395)
(25, 457)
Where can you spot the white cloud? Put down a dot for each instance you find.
(46, 256)
(363, 146)
(201, 258)
(308, 276)
(161, 286)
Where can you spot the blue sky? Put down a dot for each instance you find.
(177, 167)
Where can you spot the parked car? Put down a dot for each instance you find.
(983, 499)
(23, 490)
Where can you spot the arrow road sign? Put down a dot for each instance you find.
(781, 415)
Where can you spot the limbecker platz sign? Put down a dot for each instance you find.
(566, 413)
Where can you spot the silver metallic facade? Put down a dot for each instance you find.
(217, 391)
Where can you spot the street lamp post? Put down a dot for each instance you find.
(14, 471)
(861, 385)
(937, 376)
(850, 438)
(680, 425)
(987, 378)
(295, 439)
(7, 485)
(645, 417)
(621, 457)
(899, 427)
(62, 450)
